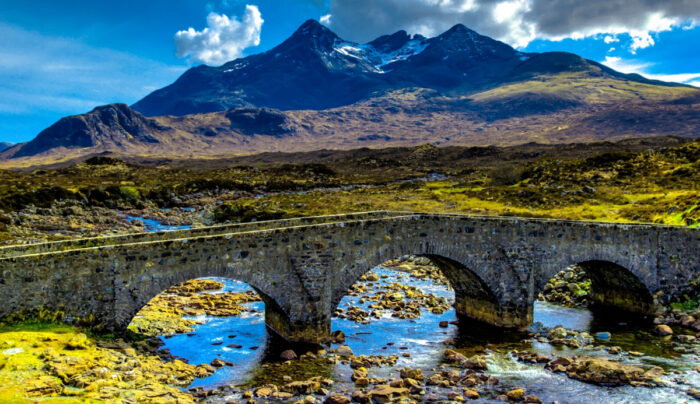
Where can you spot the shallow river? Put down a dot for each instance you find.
(423, 338)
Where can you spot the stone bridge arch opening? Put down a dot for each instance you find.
(605, 287)
(181, 308)
(474, 300)
(616, 287)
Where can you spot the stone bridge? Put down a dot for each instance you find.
(303, 267)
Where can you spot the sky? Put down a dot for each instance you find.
(60, 58)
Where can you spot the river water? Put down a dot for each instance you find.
(423, 339)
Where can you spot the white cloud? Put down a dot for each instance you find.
(516, 22)
(223, 40)
(325, 19)
(624, 66)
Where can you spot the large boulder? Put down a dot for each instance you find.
(607, 372)
(384, 393)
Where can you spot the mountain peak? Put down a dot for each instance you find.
(312, 33)
(312, 28)
(311, 24)
(459, 28)
(458, 31)
(390, 43)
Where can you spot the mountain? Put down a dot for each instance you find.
(315, 69)
(5, 145)
(316, 90)
(115, 126)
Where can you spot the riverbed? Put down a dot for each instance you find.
(423, 339)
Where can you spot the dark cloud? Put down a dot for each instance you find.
(561, 17)
(364, 20)
(514, 21)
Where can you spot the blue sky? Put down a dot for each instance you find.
(64, 58)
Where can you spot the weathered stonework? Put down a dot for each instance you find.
(303, 267)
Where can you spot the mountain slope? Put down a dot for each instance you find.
(114, 126)
(315, 69)
(318, 91)
(561, 108)
(302, 72)
(5, 145)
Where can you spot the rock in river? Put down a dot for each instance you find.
(663, 330)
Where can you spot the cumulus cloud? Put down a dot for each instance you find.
(624, 66)
(516, 22)
(223, 40)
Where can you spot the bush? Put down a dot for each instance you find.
(237, 212)
(129, 193)
(507, 175)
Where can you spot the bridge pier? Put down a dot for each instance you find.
(491, 313)
(317, 332)
(475, 300)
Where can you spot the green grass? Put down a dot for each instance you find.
(689, 304)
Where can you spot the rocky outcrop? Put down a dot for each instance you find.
(607, 372)
(260, 121)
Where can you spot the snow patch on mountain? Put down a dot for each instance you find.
(377, 59)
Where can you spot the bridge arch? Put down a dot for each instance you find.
(279, 309)
(479, 292)
(616, 283)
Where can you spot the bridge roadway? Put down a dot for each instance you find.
(303, 267)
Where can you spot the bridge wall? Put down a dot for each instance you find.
(496, 266)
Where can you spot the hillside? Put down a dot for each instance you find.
(317, 91)
(638, 180)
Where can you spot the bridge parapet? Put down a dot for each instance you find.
(72, 244)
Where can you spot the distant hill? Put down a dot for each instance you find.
(316, 90)
(5, 145)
